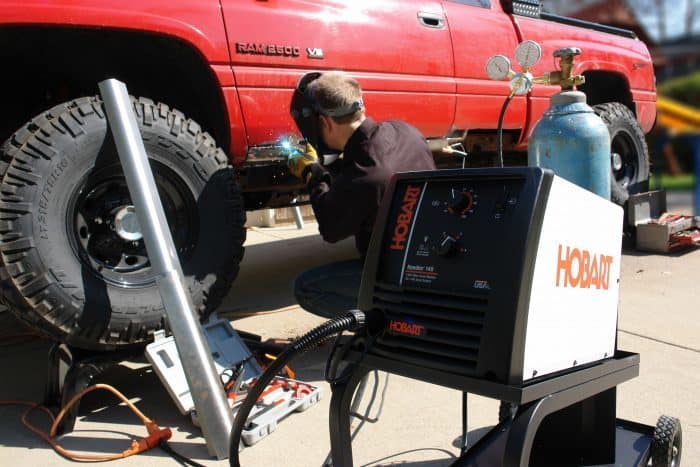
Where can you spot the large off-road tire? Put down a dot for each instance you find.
(67, 267)
(629, 157)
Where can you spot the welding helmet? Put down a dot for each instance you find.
(305, 110)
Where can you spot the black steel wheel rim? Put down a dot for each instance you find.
(93, 234)
(623, 145)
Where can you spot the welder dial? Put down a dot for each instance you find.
(498, 67)
(463, 202)
(528, 53)
(448, 245)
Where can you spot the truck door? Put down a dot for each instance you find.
(399, 50)
(480, 29)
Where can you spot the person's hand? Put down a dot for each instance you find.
(300, 163)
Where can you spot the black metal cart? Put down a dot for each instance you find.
(568, 419)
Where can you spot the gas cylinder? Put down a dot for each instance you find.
(570, 138)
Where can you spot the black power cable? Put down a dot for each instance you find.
(165, 446)
(352, 320)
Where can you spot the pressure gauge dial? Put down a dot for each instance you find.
(528, 53)
(521, 83)
(498, 67)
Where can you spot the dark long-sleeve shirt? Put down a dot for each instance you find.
(348, 204)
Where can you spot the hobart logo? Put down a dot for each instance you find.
(583, 269)
(403, 327)
(403, 221)
(267, 49)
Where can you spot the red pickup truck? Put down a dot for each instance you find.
(67, 265)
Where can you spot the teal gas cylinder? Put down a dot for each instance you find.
(573, 141)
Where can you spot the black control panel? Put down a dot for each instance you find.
(449, 269)
(442, 234)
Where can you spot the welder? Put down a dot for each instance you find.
(329, 111)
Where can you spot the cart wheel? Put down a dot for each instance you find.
(667, 443)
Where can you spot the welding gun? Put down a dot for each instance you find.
(300, 158)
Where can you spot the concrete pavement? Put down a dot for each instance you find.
(420, 423)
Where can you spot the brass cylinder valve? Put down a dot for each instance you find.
(563, 77)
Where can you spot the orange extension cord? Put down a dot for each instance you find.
(155, 433)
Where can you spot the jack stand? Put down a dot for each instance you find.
(70, 371)
(298, 218)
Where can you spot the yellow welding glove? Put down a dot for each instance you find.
(301, 162)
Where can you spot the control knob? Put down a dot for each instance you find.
(448, 246)
(463, 204)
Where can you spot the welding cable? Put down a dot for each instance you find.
(333, 361)
(375, 389)
(330, 372)
(353, 320)
(330, 376)
(155, 433)
(165, 446)
(500, 129)
(365, 418)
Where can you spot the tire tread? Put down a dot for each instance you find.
(666, 431)
(614, 114)
(24, 290)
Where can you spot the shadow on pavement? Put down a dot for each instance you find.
(268, 271)
(104, 425)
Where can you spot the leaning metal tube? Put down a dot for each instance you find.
(213, 411)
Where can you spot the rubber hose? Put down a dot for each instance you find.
(500, 130)
(352, 320)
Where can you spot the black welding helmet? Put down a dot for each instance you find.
(305, 111)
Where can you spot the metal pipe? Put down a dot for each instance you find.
(214, 414)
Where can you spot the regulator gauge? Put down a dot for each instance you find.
(528, 53)
(498, 67)
(521, 83)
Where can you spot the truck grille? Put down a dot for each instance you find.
(451, 334)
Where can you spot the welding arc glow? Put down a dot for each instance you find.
(288, 148)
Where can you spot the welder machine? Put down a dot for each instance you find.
(502, 283)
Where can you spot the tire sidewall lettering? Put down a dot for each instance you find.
(45, 196)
